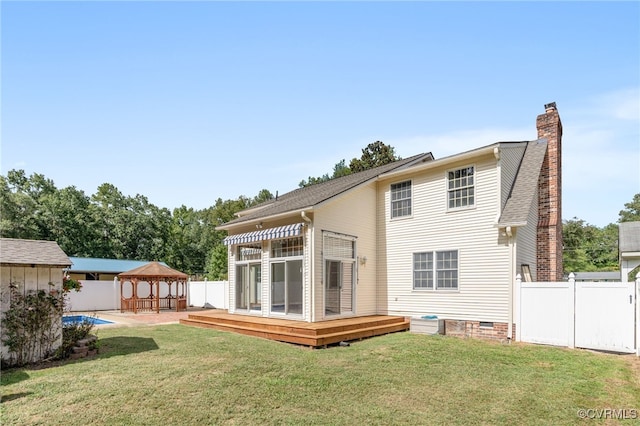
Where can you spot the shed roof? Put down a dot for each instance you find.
(15, 251)
(105, 266)
(598, 276)
(524, 188)
(154, 270)
(629, 236)
(314, 195)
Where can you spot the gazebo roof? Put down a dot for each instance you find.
(154, 270)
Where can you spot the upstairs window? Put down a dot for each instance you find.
(461, 188)
(401, 199)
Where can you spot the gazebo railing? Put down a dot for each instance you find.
(151, 304)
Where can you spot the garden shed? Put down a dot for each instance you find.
(29, 266)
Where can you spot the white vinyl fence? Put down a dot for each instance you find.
(209, 294)
(593, 315)
(105, 295)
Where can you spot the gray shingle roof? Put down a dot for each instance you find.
(313, 195)
(524, 188)
(598, 276)
(629, 235)
(32, 252)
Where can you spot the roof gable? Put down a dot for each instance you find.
(15, 251)
(313, 195)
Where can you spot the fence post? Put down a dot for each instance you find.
(637, 293)
(572, 310)
(516, 306)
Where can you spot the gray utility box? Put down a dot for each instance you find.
(427, 326)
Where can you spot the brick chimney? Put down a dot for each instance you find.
(549, 233)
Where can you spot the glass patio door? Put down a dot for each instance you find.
(339, 273)
(286, 287)
(249, 287)
(338, 290)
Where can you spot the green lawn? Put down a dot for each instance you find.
(174, 375)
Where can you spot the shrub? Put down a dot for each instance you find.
(31, 327)
(71, 333)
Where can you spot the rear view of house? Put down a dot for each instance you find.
(419, 236)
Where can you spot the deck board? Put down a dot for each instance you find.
(314, 334)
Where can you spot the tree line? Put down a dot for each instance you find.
(108, 224)
(589, 248)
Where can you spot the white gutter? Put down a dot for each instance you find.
(311, 266)
(512, 271)
(226, 226)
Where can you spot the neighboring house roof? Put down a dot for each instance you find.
(32, 252)
(598, 276)
(629, 236)
(313, 195)
(104, 266)
(153, 270)
(524, 189)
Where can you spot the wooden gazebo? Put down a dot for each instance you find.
(154, 274)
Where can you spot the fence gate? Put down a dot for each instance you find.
(591, 315)
(605, 316)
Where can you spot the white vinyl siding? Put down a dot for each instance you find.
(526, 240)
(352, 214)
(483, 252)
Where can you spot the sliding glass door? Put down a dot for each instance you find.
(286, 287)
(249, 287)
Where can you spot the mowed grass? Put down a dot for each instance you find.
(179, 375)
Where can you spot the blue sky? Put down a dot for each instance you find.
(188, 102)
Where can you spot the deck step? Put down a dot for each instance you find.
(309, 334)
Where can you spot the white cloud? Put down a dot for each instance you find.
(623, 104)
(601, 152)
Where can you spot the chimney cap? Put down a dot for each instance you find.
(550, 107)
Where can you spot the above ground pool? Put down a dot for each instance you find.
(69, 319)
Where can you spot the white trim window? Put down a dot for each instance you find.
(401, 199)
(461, 187)
(443, 271)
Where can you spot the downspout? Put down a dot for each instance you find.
(512, 268)
(311, 268)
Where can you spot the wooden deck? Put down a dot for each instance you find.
(316, 334)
